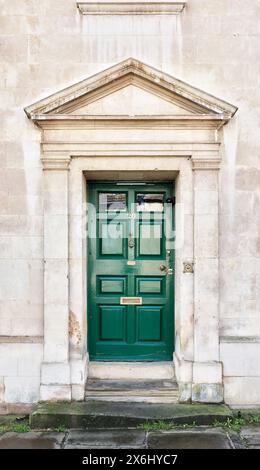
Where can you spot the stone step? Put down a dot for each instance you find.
(133, 399)
(131, 370)
(131, 385)
(152, 391)
(97, 414)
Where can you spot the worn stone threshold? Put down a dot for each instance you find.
(102, 414)
(131, 385)
(128, 371)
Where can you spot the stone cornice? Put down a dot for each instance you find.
(52, 149)
(136, 7)
(65, 121)
(55, 163)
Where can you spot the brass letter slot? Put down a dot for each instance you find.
(131, 300)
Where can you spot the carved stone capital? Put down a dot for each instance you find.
(206, 163)
(56, 163)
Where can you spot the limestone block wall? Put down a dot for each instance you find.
(241, 370)
(48, 45)
(20, 372)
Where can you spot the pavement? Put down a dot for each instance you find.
(200, 437)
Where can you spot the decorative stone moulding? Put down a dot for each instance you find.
(137, 7)
(54, 163)
(205, 163)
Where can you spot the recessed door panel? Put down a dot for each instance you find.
(150, 239)
(149, 323)
(112, 323)
(111, 238)
(111, 285)
(130, 279)
(148, 285)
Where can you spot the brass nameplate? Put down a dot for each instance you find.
(131, 300)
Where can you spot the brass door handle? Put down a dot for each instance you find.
(163, 267)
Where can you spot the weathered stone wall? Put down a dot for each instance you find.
(47, 45)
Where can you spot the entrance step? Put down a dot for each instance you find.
(152, 391)
(97, 414)
(131, 370)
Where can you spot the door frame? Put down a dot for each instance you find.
(111, 185)
(195, 171)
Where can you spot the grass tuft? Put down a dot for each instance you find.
(60, 429)
(235, 424)
(15, 427)
(165, 426)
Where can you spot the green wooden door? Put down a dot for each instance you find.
(130, 278)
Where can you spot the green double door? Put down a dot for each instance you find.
(130, 271)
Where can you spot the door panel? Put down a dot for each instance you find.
(150, 285)
(111, 285)
(130, 257)
(149, 321)
(112, 239)
(112, 323)
(149, 240)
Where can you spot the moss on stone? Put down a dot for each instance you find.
(107, 414)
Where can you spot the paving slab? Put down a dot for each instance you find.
(251, 436)
(106, 439)
(31, 440)
(236, 440)
(97, 414)
(191, 439)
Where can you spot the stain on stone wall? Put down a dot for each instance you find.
(74, 328)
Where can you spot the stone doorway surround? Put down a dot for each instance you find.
(172, 131)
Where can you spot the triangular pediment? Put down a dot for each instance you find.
(137, 100)
(130, 89)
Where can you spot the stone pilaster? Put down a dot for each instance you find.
(207, 369)
(183, 356)
(78, 281)
(55, 372)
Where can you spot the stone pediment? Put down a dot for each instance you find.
(131, 90)
(136, 99)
